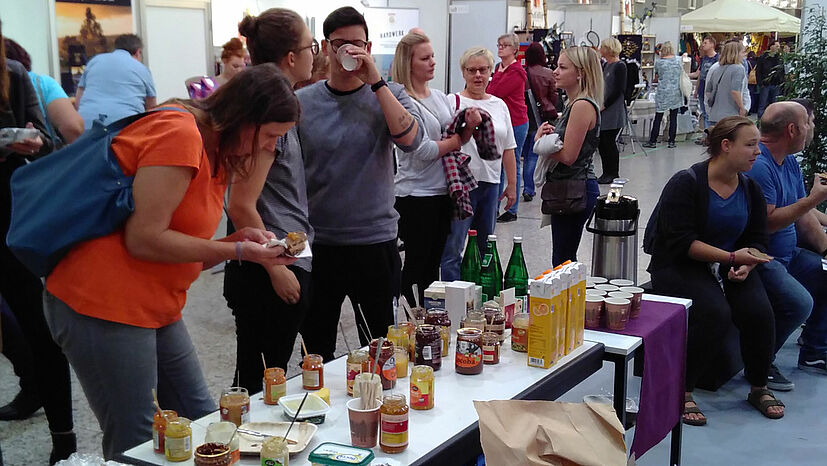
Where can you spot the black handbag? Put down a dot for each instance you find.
(563, 197)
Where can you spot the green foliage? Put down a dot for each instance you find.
(808, 78)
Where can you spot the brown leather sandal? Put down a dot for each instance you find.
(763, 406)
(692, 410)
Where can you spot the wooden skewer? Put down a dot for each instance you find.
(263, 361)
(304, 348)
(155, 401)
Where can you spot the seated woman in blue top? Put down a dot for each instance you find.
(709, 220)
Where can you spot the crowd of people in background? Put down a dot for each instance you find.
(301, 143)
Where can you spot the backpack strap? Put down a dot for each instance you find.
(117, 126)
(457, 96)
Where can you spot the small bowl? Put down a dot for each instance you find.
(313, 411)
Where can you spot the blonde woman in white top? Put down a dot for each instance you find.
(421, 187)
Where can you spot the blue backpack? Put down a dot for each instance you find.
(77, 193)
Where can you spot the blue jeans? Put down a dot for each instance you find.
(519, 136)
(566, 230)
(484, 202)
(529, 164)
(766, 96)
(794, 291)
(702, 106)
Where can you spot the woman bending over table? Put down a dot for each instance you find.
(114, 303)
(711, 219)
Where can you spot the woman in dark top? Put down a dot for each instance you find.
(578, 73)
(22, 290)
(613, 114)
(710, 216)
(544, 87)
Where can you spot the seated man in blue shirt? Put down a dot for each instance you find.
(115, 85)
(795, 281)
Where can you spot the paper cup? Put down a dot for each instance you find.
(592, 281)
(364, 424)
(617, 313)
(637, 296)
(623, 295)
(606, 287)
(621, 282)
(593, 292)
(594, 310)
(348, 62)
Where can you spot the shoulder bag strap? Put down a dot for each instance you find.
(457, 96)
(42, 101)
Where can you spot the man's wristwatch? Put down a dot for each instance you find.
(378, 85)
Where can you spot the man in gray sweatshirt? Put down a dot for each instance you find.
(348, 127)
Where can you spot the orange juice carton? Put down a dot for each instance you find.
(562, 302)
(580, 301)
(542, 332)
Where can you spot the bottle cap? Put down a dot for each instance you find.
(518, 239)
(472, 232)
(492, 237)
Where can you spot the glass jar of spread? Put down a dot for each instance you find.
(275, 385)
(475, 319)
(410, 327)
(422, 387)
(495, 322)
(400, 355)
(439, 317)
(393, 423)
(428, 346)
(398, 335)
(519, 332)
(386, 362)
(178, 439)
(490, 348)
(159, 426)
(219, 432)
(235, 405)
(357, 362)
(468, 360)
(312, 372)
(274, 452)
(213, 454)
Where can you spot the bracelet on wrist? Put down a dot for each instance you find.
(732, 259)
(378, 85)
(238, 251)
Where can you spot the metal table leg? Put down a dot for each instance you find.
(675, 450)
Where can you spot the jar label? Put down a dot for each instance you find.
(394, 428)
(488, 353)
(157, 441)
(277, 391)
(273, 462)
(468, 354)
(310, 378)
(353, 369)
(427, 353)
(389, 369)
(421, 393)
(178, 447)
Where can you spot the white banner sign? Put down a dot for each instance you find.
(388, 25)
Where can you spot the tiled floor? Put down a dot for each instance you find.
(736, 433)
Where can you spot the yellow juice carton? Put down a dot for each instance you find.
(569, 319)
(542, 336)
(580, 325)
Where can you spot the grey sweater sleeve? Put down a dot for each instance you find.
(411, 107)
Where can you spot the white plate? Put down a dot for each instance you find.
(302, 433)
(280, 242)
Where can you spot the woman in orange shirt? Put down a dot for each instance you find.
(114, 303)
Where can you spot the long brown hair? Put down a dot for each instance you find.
(727, 128)
(4, 73)
(272, 34)
(258, 95)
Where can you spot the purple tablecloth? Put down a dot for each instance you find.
(663, 329)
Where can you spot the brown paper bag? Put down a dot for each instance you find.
(523, 433)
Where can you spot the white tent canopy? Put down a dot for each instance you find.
(739, 16)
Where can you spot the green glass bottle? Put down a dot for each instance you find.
(469, 270)
(516, 274)
(492, 275)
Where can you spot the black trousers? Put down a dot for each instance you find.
(16, 349)
(265, 324)
(424, 224)
(367, 274)
(673, 126)
(609, 154)
(745, 304)
(23, 293)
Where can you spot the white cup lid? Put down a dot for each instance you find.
(632, 289)
(617, 301)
